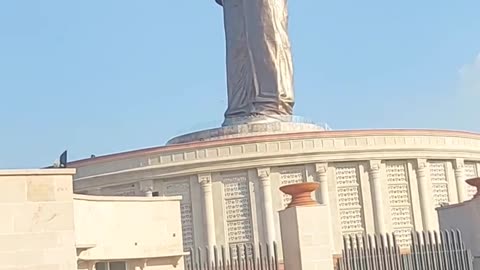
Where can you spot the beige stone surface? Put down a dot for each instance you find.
(130, 229)
(36, 230)
(466, 218)
(13, 189)
(42, 224)
(306, 230)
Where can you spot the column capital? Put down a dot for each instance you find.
(205, 179)
(459, 163)
(263, 173)
(422, 164)
(321, 168)
(374, 165)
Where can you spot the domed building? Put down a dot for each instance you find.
(374, 181)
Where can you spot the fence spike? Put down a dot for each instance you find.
(254, 257)
(230, 254)
(224, 258)
(275, 252)
(260, 252)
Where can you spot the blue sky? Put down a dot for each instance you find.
(97, 77)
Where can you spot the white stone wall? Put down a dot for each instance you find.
(36, 220)
(464, 217)
(144, 232)
(376, 183)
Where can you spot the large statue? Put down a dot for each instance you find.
(259, 61)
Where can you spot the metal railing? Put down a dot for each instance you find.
(428, 251)
(235, 257)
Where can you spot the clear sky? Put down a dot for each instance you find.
(97, 77)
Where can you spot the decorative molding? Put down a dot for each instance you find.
(400, 201)
(439, 181)
(263, 174)
(459, 164)
(350, 203)
(205, 179)
(346, 145)
(422, 164)
(181, 187)
(354, 137)
(321, 168)
(291, 175)
(470, 171)
(238, 215)
(146, 186)
(375, 165)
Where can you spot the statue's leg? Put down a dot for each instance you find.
(268, 41)
(239, 73)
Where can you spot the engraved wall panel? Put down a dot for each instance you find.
(182, 188)
(121, 190)
(470, 172)
(400, 201)
(290, 175)
(349, 199)
(238, 216)
(438, 177)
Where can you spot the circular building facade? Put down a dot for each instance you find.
(374, 181)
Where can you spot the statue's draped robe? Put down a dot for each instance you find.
(259, 61)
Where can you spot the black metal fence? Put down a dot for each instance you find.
(428, 251)
(235, 257)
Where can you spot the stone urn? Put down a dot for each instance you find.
(301, 193)
(475, 182)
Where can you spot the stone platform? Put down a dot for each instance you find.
(248, 129)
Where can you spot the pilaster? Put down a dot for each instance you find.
(265, 183)
(205, 181)
(146, 187)
(321, 170)
(424, 188)
(459, 167)
(321, 177)
(377, 196)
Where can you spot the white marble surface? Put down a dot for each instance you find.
(245, 130)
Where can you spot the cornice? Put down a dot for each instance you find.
(212, 166)
(275, 137)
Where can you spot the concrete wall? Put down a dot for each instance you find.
(466, 218)
(36, 220)
(142, 231)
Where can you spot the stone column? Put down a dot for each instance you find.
(264, 179)
(377, 194)
(147, 188)
(205, 181)
(459, 166)
(321, 175)
(424, 187)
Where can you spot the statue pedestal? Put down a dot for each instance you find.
(465, 217)
(250, 127)
(305, 227)
(306, 232)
